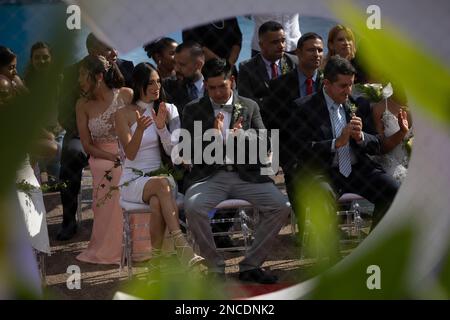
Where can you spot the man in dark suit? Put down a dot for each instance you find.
(331, 142)
(271, 62)
(189, 60)
(302, 81)
(277, 111)
(223, 113)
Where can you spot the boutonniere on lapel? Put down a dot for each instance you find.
(352, 108)
(320, 76)
(284, 66)
(237, 111)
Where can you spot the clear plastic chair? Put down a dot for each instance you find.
(240, 218)
(129, 209)
(351, 227)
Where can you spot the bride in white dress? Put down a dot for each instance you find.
(393, 122)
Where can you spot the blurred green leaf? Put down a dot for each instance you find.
(175, 283)
(317, 210)
(21, 122)
(391, 255)
(445, 275)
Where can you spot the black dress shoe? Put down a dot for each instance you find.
(67, 232)
(257, 275)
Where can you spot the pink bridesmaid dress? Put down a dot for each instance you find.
(105, 245)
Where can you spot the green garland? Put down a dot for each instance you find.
(28, 188)
(164, 170)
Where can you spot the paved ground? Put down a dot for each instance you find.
(103, 281)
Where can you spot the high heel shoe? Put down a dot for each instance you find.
(185, 253)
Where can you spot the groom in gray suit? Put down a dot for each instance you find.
(208, 184)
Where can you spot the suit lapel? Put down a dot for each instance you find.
(319, 81)
(233, 113)
(286, 64)
(293, 80)
(238, 113)
(324, 116)
(207, 113)
(347, 111)
(261, 69)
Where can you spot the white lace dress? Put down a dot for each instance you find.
(395, 162)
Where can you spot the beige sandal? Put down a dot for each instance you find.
(185, 253)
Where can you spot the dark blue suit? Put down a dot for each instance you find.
(313, 152)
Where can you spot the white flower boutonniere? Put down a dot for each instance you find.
(237, 112)
(284, 67)
(353, 108)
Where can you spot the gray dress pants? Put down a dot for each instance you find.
(203, 196)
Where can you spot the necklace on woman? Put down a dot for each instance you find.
(217, 27)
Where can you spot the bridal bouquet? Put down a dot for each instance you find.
(374, 92)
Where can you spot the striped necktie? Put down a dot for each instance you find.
(344, 158)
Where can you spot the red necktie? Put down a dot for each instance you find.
(274, 68)
(309, 86)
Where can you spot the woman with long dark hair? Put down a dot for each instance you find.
(143, 127)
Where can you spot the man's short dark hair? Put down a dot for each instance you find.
(336, 66)
(269, 26)
(195, 49)
(307, 36)
(216, 67)
(92, 42)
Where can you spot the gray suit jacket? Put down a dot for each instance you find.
(202, 110)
